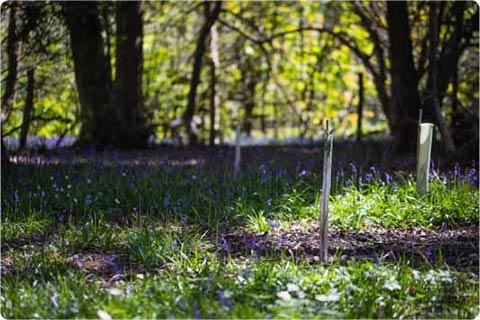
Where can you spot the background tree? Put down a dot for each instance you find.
(91, 73)
(131, 128)
(211, 15)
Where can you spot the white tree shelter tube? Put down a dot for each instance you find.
(424, 153)
(326, 183)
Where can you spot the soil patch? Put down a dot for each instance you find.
(457, 248)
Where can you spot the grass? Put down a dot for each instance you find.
(253, 289)
(165, 224)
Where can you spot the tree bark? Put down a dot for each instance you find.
(360, 107)
(12, 71)
(434, 106)
(249, 97)
(131, 130)
(108, 33)
(210, 19)
(27, 111)
(91, 73)
(404, 86)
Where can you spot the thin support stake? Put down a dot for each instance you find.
(420, 114)
(236, 165)
(326, 183)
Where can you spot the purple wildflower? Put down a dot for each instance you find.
(388, 178)
(166, 201)
(88, 200)
(225, 298)
(269, 203)
(444, 230)
(369, 177)
(282, 242)
(456, 170)
(224, 243)
(428, 251)
(114, 266)
(472, 176)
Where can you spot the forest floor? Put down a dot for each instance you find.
(169, 232)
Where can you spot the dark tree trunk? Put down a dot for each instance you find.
(448, 58)
(91, 73)
(405, 94)
(249, 98)
(9, 88)
(213, 104)
(433, 99)
(108, 35)
(5, 160)
(131, 130)
(27, 111)
(210, 18)
(360, 107)
(12, 53)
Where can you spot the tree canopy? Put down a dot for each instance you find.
(129, 74)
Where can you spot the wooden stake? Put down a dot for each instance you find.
(420, 113)
(326, 183)
(360, 107)
(236, 165)
(423, 159)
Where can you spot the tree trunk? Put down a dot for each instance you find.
(27, 111)
(433, 90)
(5, 159)
(12, 53)
(405, 94)
(108, 33)
(360, 107)
(9, 88)
(91, 73)
(214, 98)
(250, 83)
(131, 130)
(210, 18)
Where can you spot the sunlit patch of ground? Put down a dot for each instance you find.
(457, 248)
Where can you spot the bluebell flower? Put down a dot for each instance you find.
(428, 251)
(224, 243)
(112, 264)
(368, 177)
(269, 203)
(353, 167)
(166, 201)
(88, 199)
(388, 178)
(225, 298)
(444, 230)
(282, 242)
(472, 176)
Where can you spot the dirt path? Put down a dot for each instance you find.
(458, 248)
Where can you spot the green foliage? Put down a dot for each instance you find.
(253, 290)
(164, 227)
